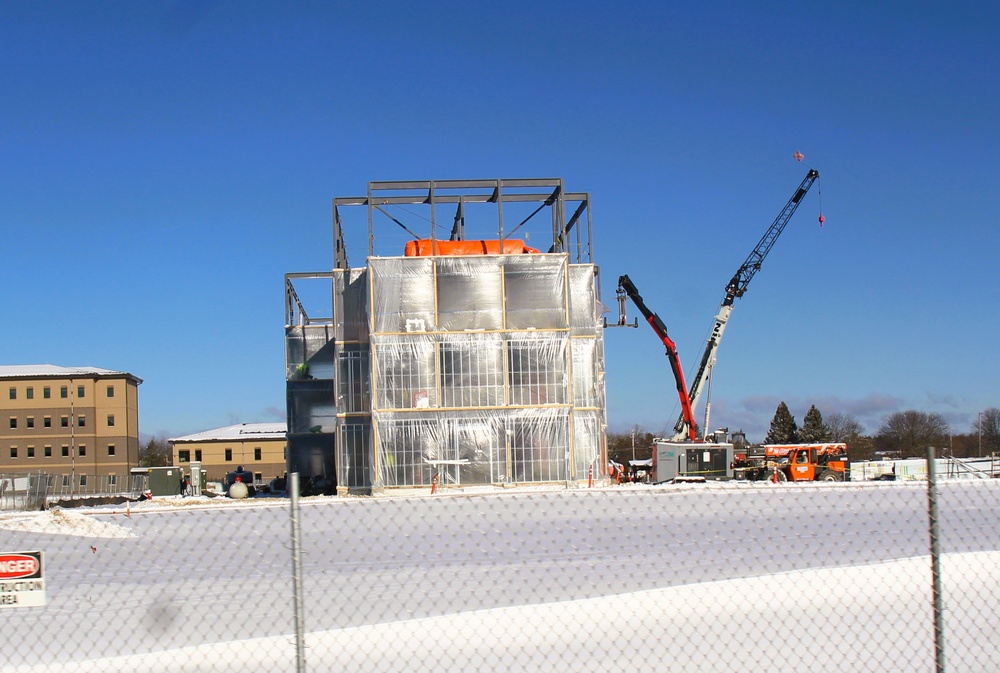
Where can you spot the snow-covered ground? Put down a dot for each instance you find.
(695, 578)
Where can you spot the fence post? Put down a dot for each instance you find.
(300, 643)
(935, 561)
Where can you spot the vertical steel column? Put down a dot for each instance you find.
(499, 197)
(935, 561)
(300, 643)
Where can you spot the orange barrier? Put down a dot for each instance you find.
(426, 247)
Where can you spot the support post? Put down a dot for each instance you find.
(935, 561)
(300, 643)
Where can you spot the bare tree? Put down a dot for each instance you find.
(910, 432)
(620, 445)
(843, 427)
(987, 428)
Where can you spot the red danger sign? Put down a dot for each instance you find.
(16, 566)
(22, 584)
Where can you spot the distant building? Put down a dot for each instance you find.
(78, 422)
(258, 447)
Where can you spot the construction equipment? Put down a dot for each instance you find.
(712, 459)
(793, 462)
(690, 427)
(736, 287)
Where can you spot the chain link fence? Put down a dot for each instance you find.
(36, 491)
(687, 577)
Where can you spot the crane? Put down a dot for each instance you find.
(626, 286)
(737, 287)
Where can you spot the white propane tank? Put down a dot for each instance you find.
(238, 490)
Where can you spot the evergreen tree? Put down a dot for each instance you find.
(783, 429)
(814, 430)
(156, 452)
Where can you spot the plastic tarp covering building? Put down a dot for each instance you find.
(484, 370)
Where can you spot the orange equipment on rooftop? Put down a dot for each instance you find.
(426, 247)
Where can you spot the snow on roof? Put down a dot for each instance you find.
(40, 371)
(237, 433)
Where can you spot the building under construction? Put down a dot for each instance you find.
(458, 355)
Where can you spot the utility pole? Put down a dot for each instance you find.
(633, 442)
(980, 434)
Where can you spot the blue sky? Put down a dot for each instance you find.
(164, 164)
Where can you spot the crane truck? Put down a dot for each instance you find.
(625, 286)
(715, 458)
(737, 287)
(722, 457)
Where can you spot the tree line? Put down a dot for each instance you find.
(903, 434)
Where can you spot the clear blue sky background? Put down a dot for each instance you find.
(164, 164)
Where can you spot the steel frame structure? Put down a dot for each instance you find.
(546, 192)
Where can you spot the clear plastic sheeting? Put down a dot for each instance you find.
(353, 379)
(309, 352)
(484, 369)
(583, 304)
(587, 383)
(470, 293)
(403, 298)
(405, 372)
(587, 433)
(311, 406)
(536, 363)
(355, 455)
(472, 371)
(448, 370)
(479, 447)
(350, 304)
(535, 291)
(475, 375)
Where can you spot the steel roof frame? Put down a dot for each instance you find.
(547, 192)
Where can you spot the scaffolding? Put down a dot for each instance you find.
(452, 370)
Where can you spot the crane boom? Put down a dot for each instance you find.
(625, 285)
(736, 288)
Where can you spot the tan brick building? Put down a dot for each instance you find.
(258, 447)
(78, 422)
